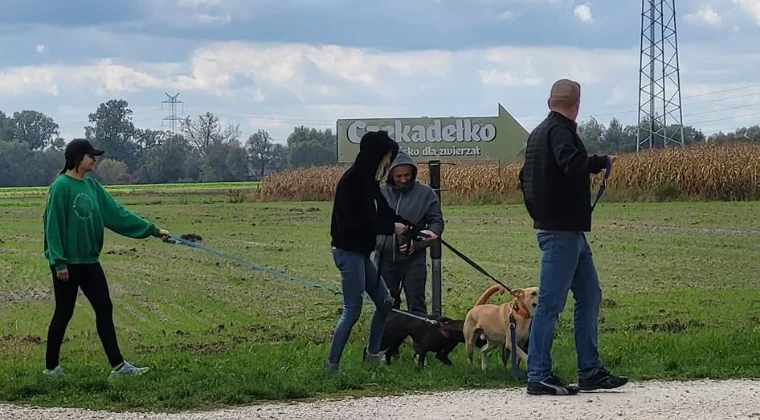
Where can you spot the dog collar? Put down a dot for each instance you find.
(521, 312)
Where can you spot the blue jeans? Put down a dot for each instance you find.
(358, 275)
(566, 264)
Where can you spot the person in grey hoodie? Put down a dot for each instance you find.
(418, 203)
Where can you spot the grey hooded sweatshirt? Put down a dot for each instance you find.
(417, 203)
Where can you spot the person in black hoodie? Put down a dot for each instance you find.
(360, 213)
(555, 181)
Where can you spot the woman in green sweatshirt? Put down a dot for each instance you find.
(77, 212)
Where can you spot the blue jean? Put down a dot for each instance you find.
(358, 275)
(566, 264)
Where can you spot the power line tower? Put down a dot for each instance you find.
(173, 118)
(659, 77)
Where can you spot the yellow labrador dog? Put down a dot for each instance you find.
(491, 322)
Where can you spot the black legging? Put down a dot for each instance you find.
(92, 280)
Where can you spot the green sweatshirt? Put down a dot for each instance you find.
(76, 214)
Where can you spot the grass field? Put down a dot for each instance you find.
(680, 285)
(143, 189)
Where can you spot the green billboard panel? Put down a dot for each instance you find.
(445, 139)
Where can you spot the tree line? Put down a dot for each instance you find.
(202, 150)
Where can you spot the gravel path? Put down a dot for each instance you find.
(648, 400)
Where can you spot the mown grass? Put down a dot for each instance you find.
(144, 189)
(680, 285)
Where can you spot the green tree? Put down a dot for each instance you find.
(311, 147)
(112, 130)
(15, 165)
(111, 171)
(6, 127)
(261, 151)
(169, 161)
(34, 129)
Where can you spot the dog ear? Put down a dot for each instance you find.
(443, 330)
(518, 293)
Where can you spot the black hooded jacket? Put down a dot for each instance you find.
(555, 176)
(360, 211)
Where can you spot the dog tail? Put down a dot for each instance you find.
(483, 299)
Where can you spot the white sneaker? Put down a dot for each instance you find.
(58, 371)
(128, 369)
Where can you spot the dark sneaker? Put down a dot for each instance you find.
(554, 385)
(331, 367)
(602, 380)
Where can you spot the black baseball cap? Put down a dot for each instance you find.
(77, 149)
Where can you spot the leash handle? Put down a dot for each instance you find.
(603, 186)
(513, 342)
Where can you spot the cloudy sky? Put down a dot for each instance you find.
(274, 64)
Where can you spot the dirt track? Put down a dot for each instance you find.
(650, 400)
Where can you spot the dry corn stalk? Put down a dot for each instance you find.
(707, 171)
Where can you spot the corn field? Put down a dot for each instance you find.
(704, 172)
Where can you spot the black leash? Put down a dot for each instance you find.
(475, 265)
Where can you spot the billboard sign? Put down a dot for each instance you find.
(445, 139)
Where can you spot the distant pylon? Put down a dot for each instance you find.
(659, 78)
(173, 118)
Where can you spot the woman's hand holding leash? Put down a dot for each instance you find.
(428, 235)
(165, 235)
(403, 248)
(401, 229)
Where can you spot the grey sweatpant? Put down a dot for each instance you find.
(410, 277)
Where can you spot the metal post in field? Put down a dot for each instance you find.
(434, 169)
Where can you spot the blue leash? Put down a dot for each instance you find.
(607, 170)
(282, 274)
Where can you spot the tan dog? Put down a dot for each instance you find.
(491, 322)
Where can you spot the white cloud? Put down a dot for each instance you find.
(294, 67)
(40, 48)
(505, 78)
(706, 15)
(198, 3)
(19, 81)
(618, 96)
(278, 86)
(585, 66)
(509, 15)
(583, 12)
(750, 6)
(193, 13)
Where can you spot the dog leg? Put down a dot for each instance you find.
(470, 335)
(484, 355)
(521, 355)
(470, 346)
(420, 360)
(420, 354)
(505, 353)
(444, 358)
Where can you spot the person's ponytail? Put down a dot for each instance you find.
(70, 164)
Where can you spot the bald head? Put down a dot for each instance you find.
(565, 97)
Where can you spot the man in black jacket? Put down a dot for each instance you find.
(556, 186)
